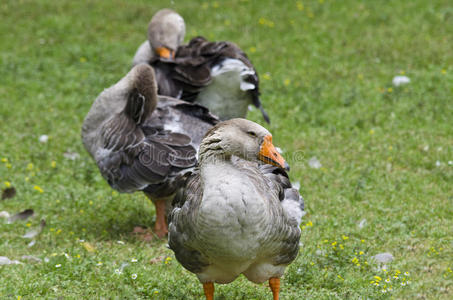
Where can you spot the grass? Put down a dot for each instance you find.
(326, 70)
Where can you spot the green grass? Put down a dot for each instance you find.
(326, 75)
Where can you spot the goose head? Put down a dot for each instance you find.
(242, 138)
(166, 32)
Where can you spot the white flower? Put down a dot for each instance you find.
(134, 276)
(118, 271)
(99, 264)
(120, 242)
(438, 163)
(450, 162)
(58, 266)
(134, 260)
(406, 273)
(43, 138)
(400, 80)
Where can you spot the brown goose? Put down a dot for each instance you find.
(236, 216)
(144, 142)
(218, 75)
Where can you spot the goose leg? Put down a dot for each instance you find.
(274, 283)
(208, 288)
(160, 228)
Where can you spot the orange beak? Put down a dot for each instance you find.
(270, 155)
(165, 53)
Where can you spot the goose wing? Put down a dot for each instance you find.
(180, 231)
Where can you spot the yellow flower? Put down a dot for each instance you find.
(334, 243)
(339, 276)
(91, 202)
(444, 71)
(377, 278)
(266, 76)
(83, 59)
(310, 223)
(167, 260)
(114, 193)
(4, 160)
(227, 22)
(30, 167)
(252, 49)
(402, 72)
(362, 241)
(360, 76)
(58, 231)
(341, 246)
(371, 131)
(389, 90)
(39, 189)
(53, 164)
(345, 237)
(361, 253)
(300, 6)
(77, 256)
(9, 166)
(287, 82)
(156, 292)
(7, 184)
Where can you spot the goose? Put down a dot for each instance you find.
(218, 75)
(144, 142)
(236, 215)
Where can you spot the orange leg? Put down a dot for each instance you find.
(274, 283)
(208, 288)
(161, 228)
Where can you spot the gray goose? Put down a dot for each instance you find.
(144, 142)
(236, 215)
(218, 75)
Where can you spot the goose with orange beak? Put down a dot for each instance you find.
(237, 213)
(218, 75)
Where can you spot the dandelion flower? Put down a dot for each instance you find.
(134, 276)
(39, 189)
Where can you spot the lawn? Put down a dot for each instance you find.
(326, 70)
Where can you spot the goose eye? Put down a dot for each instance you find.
(251, 133)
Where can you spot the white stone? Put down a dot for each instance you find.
(383, 258)
(400, 80)
(314, 163)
